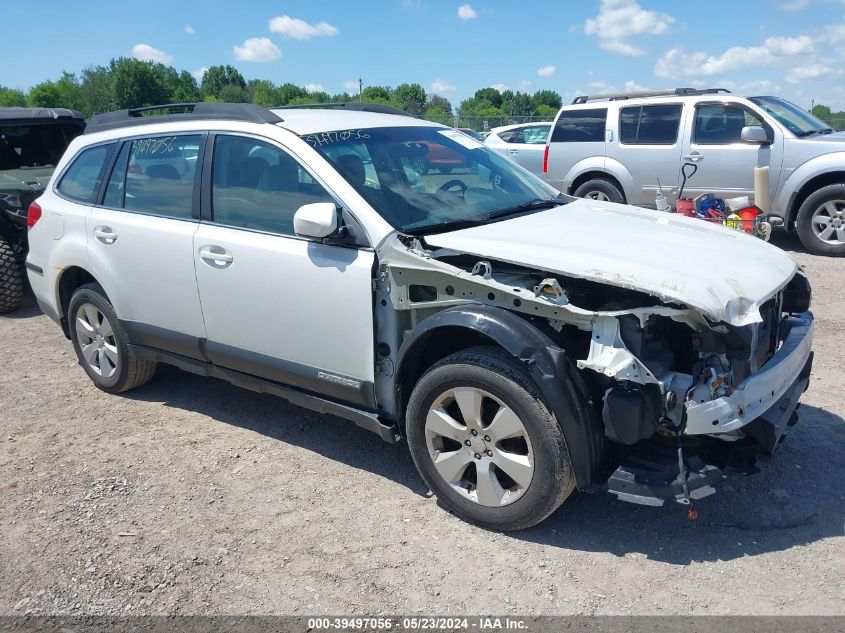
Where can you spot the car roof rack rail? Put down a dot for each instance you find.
(356, 106)
(669, 92)
(203, 111)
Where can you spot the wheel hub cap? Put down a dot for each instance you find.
(97, 344)
(828, 222)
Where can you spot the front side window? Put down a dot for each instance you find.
(650, 124)
(424, 179)
(721, 124)
(580, 126)
(155, 175)
(81, 181)
(256, 185)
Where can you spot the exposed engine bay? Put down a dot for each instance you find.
(681, 397)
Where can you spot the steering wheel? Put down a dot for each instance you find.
(453, 183)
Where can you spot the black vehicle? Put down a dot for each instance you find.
(32, 140)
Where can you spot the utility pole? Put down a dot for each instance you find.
(360, 90)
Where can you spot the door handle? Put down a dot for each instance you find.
(513, 151)
(695, 156)
(105, 234)
(216, 256)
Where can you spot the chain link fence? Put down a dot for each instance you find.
(486, 123)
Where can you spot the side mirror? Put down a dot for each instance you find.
(316, 220)
(755, 134)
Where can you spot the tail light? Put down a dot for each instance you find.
(33, 214)
(546, 160)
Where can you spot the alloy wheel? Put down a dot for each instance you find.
(479, 446)
(597, 195)
(97, 343)
(828, 222)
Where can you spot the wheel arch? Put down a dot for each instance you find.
(68, 281)
(833, 177)
(460, 327)
(600, 174)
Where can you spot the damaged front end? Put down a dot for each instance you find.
(679, 398)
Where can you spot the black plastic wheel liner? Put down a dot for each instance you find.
(549, 366)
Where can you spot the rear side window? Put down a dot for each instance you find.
(649, 125)
(155, 175)
(580, 126)
(81, 181)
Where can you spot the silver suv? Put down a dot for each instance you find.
(524, 343)
(617, 147)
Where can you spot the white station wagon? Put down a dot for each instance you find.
(524, 343)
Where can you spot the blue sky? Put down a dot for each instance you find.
(794, 48)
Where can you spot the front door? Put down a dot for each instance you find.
(278, 306)
(527, 147)
(726, 163)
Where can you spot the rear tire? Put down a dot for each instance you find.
(600, 189)
(11, 282)
(101, 343)
(505, 477)
(822, 211)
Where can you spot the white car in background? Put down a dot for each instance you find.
(524, 144)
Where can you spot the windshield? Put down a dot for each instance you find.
(793, 118)
(34, 145)
(429, 179)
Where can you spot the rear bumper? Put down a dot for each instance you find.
(761, 391)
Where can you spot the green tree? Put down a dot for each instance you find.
(821, 111)
(546, 111)
(376, 94)
(9, 97)
(185, 89)
(288, 93)
(136, 83)
(97, 91)
(232, 93)
(548, 98)
(217, 77)
(438, 104)
(489, 94)
(410, 97)
(45, 95)
(263, 92)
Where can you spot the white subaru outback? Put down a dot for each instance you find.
(525, 343)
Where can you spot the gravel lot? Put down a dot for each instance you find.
(191, 496)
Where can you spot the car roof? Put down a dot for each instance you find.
(315, 120)
(656, 100)
(16, 114)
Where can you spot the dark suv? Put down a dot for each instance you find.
(32, 140)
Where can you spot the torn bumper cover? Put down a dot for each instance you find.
(762, 390)
(761, 407)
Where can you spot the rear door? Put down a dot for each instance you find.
(578, 137)
(527, 146)
(278, 306)
(647, 143)
(726, 163)
(140, 241)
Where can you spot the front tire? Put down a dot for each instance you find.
(821, 221)
(486, 443)
(101, 343)
(11, 282)
(600, 189)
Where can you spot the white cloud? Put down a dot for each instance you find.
(620, 20)
(189, 29)
(147, 53)
(466, 12)
(256, 49)
(199, 73)
(315, 88)
(794, 5)
(297, 29)
(601, 87)
(500, 87)
(525, 84)
(676, 63)
(547, 71)
(808, 72)
(439, 86)
(352, 84)
(633, 86)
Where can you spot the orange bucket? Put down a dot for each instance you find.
(748, 216)
(685, 206)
